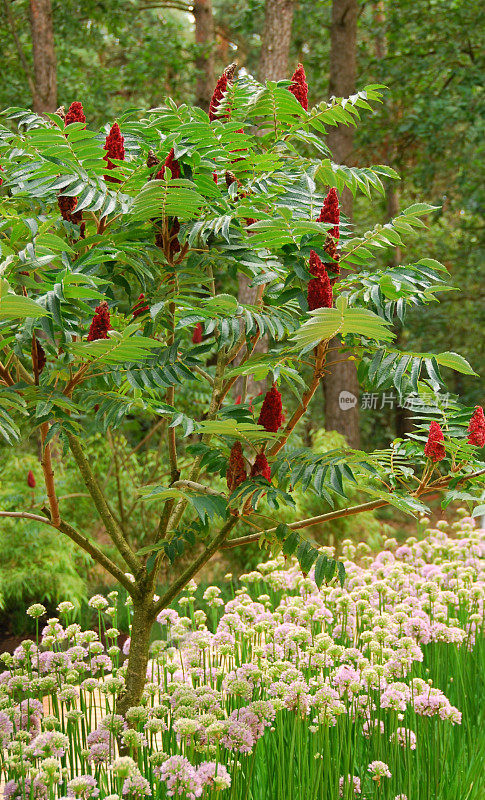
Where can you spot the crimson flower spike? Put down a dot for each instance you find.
(220, 90)
(100, 324)
(434, 447)
(315, 265)
(319, 292)
(476, 428)
(172, 164)
(236, 468)
(197, 334)
(115, 148)
(75, 113)
(67, 206)
(330, 213)
(271, 414)
(261, 467)
(299, 87)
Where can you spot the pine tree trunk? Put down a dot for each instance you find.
(141, 627)
(44, 55)
(342, 377)
(204, 61)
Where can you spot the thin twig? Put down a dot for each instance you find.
(196, 487)
(5, 375)
(203, 373)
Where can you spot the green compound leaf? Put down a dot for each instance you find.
(12, 306)
(325, 323)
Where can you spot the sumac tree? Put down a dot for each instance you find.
(121, 250)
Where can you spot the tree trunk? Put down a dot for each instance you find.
(380, 41)
(141, 627)
(275, 48)
(273, 66)
(343, 70)
(44, 55)
(342, 410)
(204, 60)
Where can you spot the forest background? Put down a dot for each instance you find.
(133, 53)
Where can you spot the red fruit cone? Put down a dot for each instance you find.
(271, 414)
(236, 469)
(434, 448)
(75, 113)
(172, 164)
(476, 428)
(261, 467)
(299, 87)
(100, 324)
(315, 265)
(319, 294)
(219, 92)
(115, 148)
(197, 334)
(330, 213)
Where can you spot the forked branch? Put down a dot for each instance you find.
(112, 527)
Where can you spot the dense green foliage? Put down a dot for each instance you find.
(176, 238)
(428, 128)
